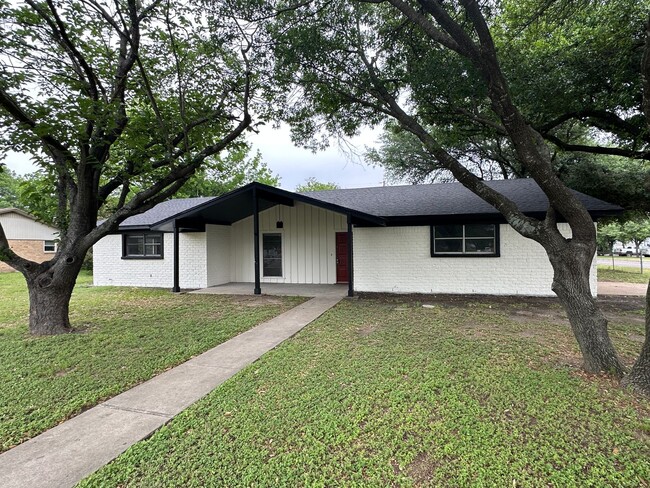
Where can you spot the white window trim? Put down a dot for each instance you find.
(55, 246)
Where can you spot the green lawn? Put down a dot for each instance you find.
(124, 336)
(385, 392)
(628, 275)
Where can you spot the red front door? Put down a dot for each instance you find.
(341, 257)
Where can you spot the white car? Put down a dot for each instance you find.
(630, 251)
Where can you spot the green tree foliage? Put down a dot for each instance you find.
(454, 71)
(9, 189)
(404, 158)
(226, 173)
(623, 181)
(607, 235)
(574, 70)
(312, 184)
(119, 103)
(38, 196)
(635, 231)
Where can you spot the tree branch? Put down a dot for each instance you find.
(645, 76)
(7, 255)
(610, 151)
(428, 27)
(52, 145)
(527, 226)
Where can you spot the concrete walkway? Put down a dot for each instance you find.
(69, 452)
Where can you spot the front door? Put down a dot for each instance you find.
(341, 257)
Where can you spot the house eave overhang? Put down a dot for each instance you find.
(491, 218)
(238, 204)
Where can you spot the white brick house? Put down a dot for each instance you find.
(407, 239)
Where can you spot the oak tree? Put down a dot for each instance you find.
(116, 101)
(419, 63)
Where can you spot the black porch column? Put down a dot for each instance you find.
(256, 233)
(350, 259)
(176, 287)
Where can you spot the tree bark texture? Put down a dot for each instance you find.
(589, 325)
(639, 377)
(50, 290)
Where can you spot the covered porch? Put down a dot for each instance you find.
(258, 236)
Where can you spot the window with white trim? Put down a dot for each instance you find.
(465, 240)
(142, 245)
(49, 246)
(272, 254)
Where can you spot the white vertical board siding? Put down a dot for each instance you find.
(110, 269)
(218, 254)
(308, 244)
(18, 226)
(398, 260)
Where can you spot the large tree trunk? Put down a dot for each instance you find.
(639, 377)
(49, 297)
(589, 325)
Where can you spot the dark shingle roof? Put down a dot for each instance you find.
(446, 199)
(164, 210)
(394, 203)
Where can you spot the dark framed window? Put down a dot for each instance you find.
(142, 245)
(272, 254)
(481, 240)
(49, 246)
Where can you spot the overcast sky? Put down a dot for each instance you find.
(294, 165)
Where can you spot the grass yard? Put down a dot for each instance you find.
(381, 391)
(124, 336)
(627, 275)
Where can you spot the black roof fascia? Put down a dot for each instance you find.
(128, 228)
(277, 195)
(487, 218)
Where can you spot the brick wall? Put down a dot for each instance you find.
(110, 269)
(386, 259)
(28, 249)
(398, 260)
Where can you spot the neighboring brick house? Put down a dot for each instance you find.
(27, 237)
(438, 238)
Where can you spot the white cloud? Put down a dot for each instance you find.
(341, 165)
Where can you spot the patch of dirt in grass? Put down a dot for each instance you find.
(635, 338)
(366, 330)
(422, 468)
(519, 307)
(63, 372)
(618, 304)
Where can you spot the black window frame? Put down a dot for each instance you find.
(497, 243)
(281, 275)
(144, 235)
